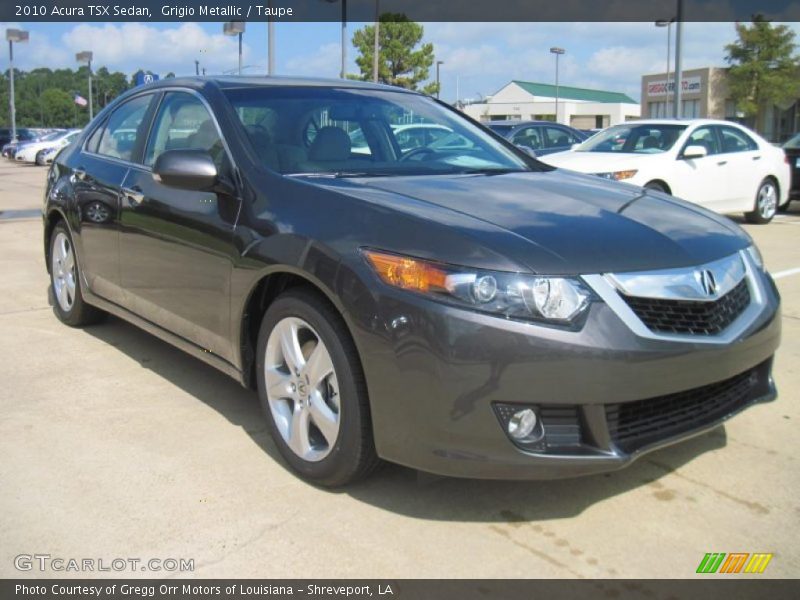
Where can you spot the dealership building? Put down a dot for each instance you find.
(579, 107)
(705, 94)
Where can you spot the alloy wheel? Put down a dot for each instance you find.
(767, 202)
(63, 269)
(302, 389)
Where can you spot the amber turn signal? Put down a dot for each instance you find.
(406, 273)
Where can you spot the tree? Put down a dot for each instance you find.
(402, 60)
(764, 69)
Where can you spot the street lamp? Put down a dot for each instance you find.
(668, 24)
(86, 57)
(558, 52)
(235, 28)
(19, 36)
(438, 62)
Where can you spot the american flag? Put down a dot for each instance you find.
(80, 100)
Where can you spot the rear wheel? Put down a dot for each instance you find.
(313, 392)
(766, 204)
(65, 282)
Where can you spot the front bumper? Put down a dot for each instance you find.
(436, 374)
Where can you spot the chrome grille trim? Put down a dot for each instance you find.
(610, 294)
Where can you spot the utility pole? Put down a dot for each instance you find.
(377, 48)
(438, 87)
(19, 36)
(678, 108)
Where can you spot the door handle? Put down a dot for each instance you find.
(722, 162)
(133, 194)
(756, 158)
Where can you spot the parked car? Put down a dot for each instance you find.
(717, 164)
(23, 135)
(45, 157)
(469, 312)
(792, 150)
(538, 138)
(28, 152)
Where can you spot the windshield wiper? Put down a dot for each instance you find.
(344, 174)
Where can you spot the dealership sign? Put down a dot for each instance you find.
(690, 85)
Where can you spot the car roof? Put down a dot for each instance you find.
(515, 123)
(234, 82)
(680, 122)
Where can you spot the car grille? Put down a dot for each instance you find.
(636, 424)
(691, 316)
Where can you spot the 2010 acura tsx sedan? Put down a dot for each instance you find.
(460, 308)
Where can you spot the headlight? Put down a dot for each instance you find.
(558, 300)
(618, 175)
(755, 254)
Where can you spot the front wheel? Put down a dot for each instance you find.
(39, 160)
(313, 392)
(65, 282)
(766, 204)
(656, 186)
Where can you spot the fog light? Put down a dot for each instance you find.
(521, 424)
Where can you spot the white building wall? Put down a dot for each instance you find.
(569, 111)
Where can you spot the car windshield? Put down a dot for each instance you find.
(348, 132)
(632, 138)
(793, 143)
(52, 136)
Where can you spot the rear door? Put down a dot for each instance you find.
(745, 168)
(701, 180)
(176, 245)
(98, 172)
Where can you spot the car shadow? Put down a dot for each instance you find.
(406, 491)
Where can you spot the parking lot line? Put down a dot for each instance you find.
(786, 273)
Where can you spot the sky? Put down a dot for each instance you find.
(479, 58)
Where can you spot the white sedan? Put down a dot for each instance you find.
(716, 164)
(28, 152)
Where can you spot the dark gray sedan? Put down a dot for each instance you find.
(538, 137)
(458, 308)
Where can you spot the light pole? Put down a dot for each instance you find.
(86, 57)
(235, 28)
(377, 46)
(343, 69)
(438, 62)
(19, 36)
(668, 24)
(677, 109)
(558, 52)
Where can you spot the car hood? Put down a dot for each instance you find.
(560, 222)
(600, 162)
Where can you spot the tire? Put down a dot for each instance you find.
(38, 160)
(656, 186)
(766, 203)
(317, 410)
(65, 282)
(785, 206)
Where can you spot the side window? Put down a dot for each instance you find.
(94, 139)
(703, 136)
(555, 137)
(734, 140)
(528, 137)
(122, 128)
(183, 123)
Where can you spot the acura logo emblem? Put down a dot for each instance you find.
(707, 282)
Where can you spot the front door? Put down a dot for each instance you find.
(702, 180)
(98, 172)
(176, 246)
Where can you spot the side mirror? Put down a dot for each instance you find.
(186, 169)
(526, 150)
(694, 152)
